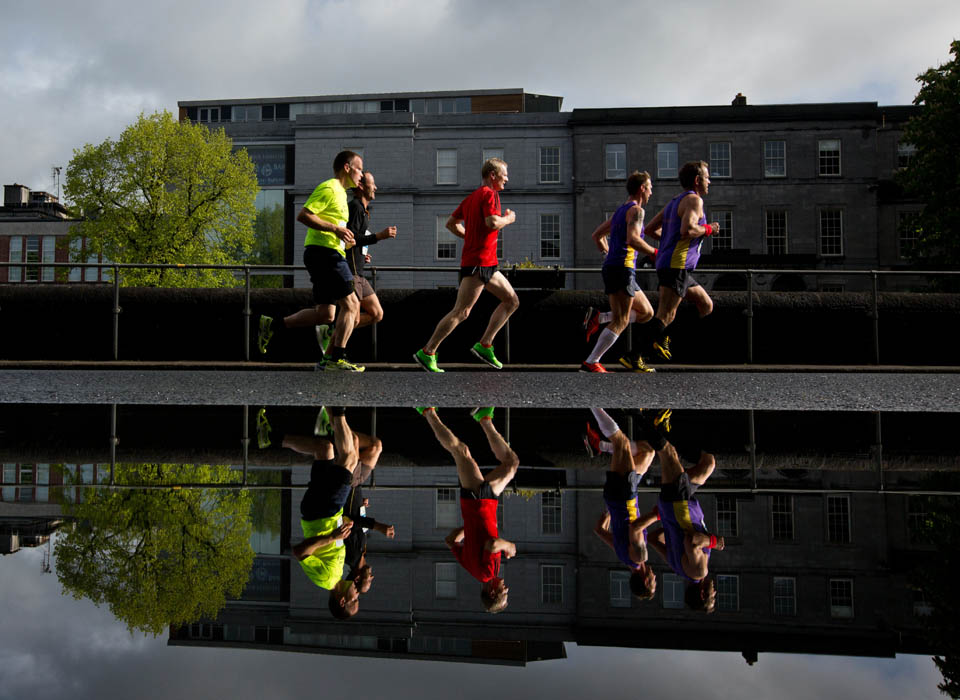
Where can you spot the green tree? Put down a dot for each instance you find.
(933, 174)
(165, 192)
(268, 245)
(158, 557)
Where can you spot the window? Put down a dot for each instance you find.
(15, 274)
(918, 519)
(723, 240)
(720, 159)
(31, 254)
(673, 587)
(831, 232)
(209, 114)
(667, 160)
(905, 153)
(49, 256)
(728, 593)
(838, 519)
(446, 166)
(781, 517)
(620, 589)
(488, 153)
(446, 241)
(76, 254)
(775, 231)
(774, 158)
(616, 161)
(784, 595)
(549, 236)
(841, 597)
(268, 113)
(921, 606)
(908, 233)
(245, 113)
(549, 164)
(445, 580)
(828, 158)
(551, 583)
(551, 511)
(727, 522)
(9, 493)
(446, 508)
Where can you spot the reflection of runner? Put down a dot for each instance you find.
(682, 228)
(477, 545)
(478, 221)
(321, 553)
(684, 542)
(624, 528)
(361, 573)
(627, 303)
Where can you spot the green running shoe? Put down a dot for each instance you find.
(324, 336)
(323, 427)
(341, 365)
(263, 429)
(423, 409)
(265, 333)
(428, 362)
(480, 414)
(486, 355)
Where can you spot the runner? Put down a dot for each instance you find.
(628, 303)
(478, 221)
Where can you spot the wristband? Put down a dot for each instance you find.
(708, 230)
(713, 542)
(656, 511)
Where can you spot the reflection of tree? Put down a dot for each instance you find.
(265, 506)
(158, 557)
(267, 245)
(937, 579)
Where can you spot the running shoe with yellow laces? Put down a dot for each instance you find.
(265, 333)
(663, 347)
(634, 362)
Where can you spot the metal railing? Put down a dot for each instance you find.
(248, 271)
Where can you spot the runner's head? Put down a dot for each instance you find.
(695, 175)
(639, 186)
(494, 173)
(493, 594)
(348, 168)
(643, 582)
(702, 595)
(366, 188)
(344, 600)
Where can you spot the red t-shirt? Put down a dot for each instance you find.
(480, 242)
(479, 526)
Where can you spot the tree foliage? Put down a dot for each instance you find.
(165, 192)
(268, 245)
(158, 557)
(933, 174)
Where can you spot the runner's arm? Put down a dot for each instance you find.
(454, 538)
(690, 211)
(498, 544)
(600, 234)
(496, 222)
(455, 226)
(311, 220)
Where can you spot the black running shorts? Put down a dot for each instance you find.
(329, 273)
(678, 281)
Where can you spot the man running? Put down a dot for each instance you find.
(478, 221)
(628, 303)
(325, 215)
(358, 222)
(624, 528)
(477, 545)
(682, 227)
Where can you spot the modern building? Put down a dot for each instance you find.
(804, 186)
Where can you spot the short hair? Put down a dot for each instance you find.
(694, 598)
(491, 166)
(338, 611)
(690, 171)
(493, 603)
(638, 586)
(343, 157)
(636, 181)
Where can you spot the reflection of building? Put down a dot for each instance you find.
(33, 226)
(794, 186)
(19, 532)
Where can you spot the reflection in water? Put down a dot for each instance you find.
(816, 556)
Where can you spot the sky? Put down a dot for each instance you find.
(52, 646)
(79, 72)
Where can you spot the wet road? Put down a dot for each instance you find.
(768, 390)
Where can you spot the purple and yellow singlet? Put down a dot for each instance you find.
(677, 253)
(619, 254)
(678, 518)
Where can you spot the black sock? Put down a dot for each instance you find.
(335, 353)
(337, 410)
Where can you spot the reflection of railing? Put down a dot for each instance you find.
(249, 271)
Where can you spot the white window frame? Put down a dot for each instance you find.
(15, 274)
(551, 592)
(785, 235)
(667, 151)
(718, 158)
(445, 580)
(783, 596)
(35, 269)
(617, 169)
(724, 239)
(446, 512)
(775, 158)
(735, 530)
(620, 595)
(906, 241)
(829, 158)
(847, 518)
(789, 511)
(246, 111)
(212, 114)
(48, 254)
(447, 172)
(906, 152)
(723, 604)
(830, 240)
(558, 239)
(545, 172)
(551, 513)
(447, 239)
(673, 589)
(838, 608)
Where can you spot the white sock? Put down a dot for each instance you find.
(606, 447)
(604, 342)
(608, 426)
(607, 316)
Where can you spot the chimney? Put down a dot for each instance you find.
(740, 100)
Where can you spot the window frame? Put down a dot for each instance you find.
(792, 597)
(540, 236)
(440, 233)
(833, 236)
(767, 213)
(552, 568)
(774, 513)
(544, 177)
(447, 168)
(825, 159)
(449, 570)
(727, 578)
(443, 518)
(666, 172)
(550, 513)
(772, 159)
(837, 608)
(838, 538)
(714, 172)
(617, 173)
(725, 236)
(620, 594)
(725, 532)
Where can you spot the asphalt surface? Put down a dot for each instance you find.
(754, 388)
